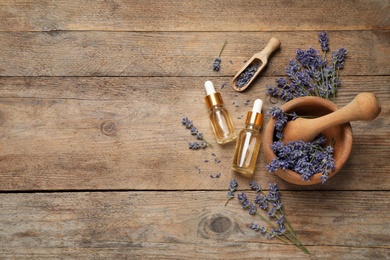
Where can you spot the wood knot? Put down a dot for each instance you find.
(217, 226)
(220, 224)
(108, 128)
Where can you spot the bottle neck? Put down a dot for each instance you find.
(252, 126)
(216, 107)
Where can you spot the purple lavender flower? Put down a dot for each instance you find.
(338, 58)
(252, 209)
(254, 227)
(273, 91)
(254, 186)
(280, 231)
(280, 221)
(217, 64)
(184, 120)
(194, 130)
(242, 197)
(233, 185)
(324, 41)
(263, 230)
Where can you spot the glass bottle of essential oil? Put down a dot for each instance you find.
(248, 141)
(219, 117)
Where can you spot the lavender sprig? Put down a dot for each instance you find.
(232, 188)
(217, 60)
(194, 131)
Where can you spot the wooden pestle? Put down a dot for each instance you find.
(364, 107)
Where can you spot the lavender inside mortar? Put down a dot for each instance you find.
(304, 158)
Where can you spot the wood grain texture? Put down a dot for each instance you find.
(94, 162)
(125, 133)
(104, 225)
(153, 54)
(203, 15)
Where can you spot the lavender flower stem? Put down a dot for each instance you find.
(227, 202)
(297, 242)
(223, 47)
(288, 223)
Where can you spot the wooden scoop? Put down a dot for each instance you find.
(364, 107)
(258, 60)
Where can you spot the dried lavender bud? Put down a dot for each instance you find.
(263, 230)
(232, 188)
(189, 124)
(273, 91)
(254, 227)
(242, 197)
(247, 75)
(184, 120)
(217, 64)
(194, 130)
(254, 186)
(338, 58)
(233, 185)
(252, 209)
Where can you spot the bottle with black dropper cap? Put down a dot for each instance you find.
(219, 117)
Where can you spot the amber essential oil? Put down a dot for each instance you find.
(249, 141)
(220, 119)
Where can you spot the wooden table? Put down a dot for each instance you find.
(94, 161)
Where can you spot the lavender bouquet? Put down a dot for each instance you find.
(309, 74)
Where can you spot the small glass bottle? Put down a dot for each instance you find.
(248, 141)
(219, 117)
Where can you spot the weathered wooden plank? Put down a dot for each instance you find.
(176, 53)
(210, 15)
(135, 224)
(125, 133)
